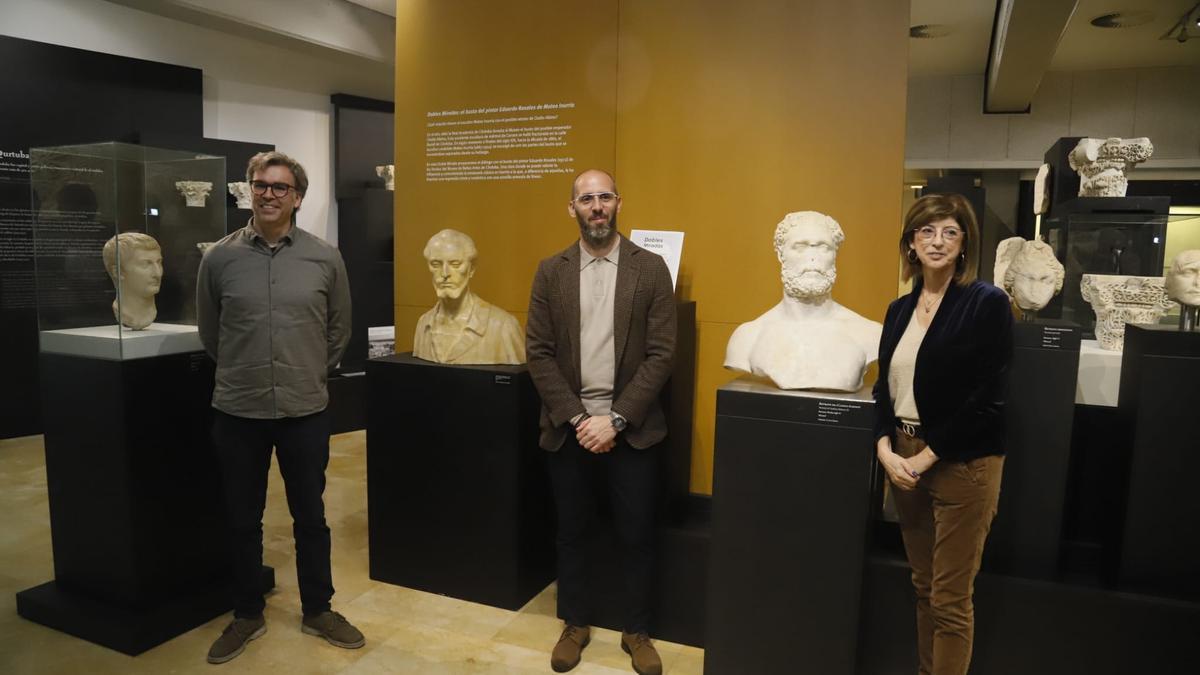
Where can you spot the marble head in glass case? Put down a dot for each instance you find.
(1028, 272)
(462, 328)
(135, 265)
(1183, 286)
(807, 341)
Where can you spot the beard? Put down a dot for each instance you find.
(597, 234)
(807, 283)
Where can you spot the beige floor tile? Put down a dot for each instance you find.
(408, 631)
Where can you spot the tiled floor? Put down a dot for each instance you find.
(407, 631)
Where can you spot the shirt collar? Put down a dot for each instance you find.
(253, 233)
(586, 258)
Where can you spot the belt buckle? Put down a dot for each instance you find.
(909, 429)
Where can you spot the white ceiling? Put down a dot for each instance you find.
(1082, 47)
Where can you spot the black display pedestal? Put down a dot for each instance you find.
(136, 515)
(1025, 535)
(791, 494)
(1160, 385)
(457, 494)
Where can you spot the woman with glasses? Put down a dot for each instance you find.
(939, 427)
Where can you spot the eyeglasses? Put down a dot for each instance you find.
(928, 232)
(279, 190)
(590, 198)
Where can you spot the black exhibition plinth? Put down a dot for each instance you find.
(136, 515)
(792, 479)
(458, 500)
(1025, 535)
(1160, 385)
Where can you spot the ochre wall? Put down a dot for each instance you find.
(718, 118)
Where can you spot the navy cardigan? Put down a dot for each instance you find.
(961, 373)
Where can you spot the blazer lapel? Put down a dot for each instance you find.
(568, 284)
(628, 272)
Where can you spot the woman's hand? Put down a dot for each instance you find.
(923, 461)
(898, 469)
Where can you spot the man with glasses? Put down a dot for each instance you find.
(600, 339)
(273, 308)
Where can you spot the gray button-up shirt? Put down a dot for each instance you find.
(275, 319)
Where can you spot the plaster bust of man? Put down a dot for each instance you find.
(138, 279)
(1029, 272)
(807, 341)
(1183, 279)
(462, 328)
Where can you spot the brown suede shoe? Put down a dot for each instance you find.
(641, 650)
(234, 638)
(334, 628)
(570, 646)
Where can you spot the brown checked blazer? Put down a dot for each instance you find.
(643, 335)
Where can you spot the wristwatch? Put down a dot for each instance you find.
(619, 423)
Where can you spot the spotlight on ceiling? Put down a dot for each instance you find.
(1123, 19)
(927, 31)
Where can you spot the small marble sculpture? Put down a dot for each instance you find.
(1041, 190)
(1183, 286)
(135, 265)
(1028, 272)
(241, 192)
(462, 328)
(1102, 164)
(807, 341)
(1118, 300)
(388, 173)
(194, 191)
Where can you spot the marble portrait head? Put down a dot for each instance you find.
(462, 328)
(806, 244)
(1183, 279)
(134, 263)
(450, 255)
(1029, 272)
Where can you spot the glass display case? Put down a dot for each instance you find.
(1102, 243)
(118, 232)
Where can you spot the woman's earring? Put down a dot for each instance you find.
(912, 255)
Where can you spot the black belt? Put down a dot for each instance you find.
(910, 430)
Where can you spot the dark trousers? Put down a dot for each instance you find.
(243, 448)
(630, 477)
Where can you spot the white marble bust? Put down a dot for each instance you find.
(1118, 300)
(388, 173)
(1102, 164)
(240, 192)
(135, 265)
(462, 328)
(807, 341)
(194, 191)
(1028, 272)
(1183, 279)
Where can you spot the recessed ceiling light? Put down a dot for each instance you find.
(926, 31)
(1123, 19)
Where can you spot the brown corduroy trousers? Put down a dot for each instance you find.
(945, 522)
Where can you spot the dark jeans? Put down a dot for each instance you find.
(243, 448)
(630, 476)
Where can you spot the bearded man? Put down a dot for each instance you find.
(807, 341)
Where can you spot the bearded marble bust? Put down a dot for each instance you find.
(807, 341)
(135, 265)
(462, 328)
(1028, 272)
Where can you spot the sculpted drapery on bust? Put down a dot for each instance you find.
(138, 278)
(462, 328)
(807, 341)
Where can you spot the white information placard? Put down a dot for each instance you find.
(666, 243)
